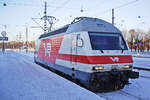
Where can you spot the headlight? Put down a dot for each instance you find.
(98, 68)
(127, 66)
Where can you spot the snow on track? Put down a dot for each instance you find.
(119, 95)
(21, 79)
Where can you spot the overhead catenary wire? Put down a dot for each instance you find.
(37, 5)
(126, 4)
(120, 6)
(61, 6)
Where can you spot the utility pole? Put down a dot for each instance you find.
(3, 49)
(19, 41)
(49, 19)
(16, 42)
(113, 16)
(4, 35)
(26, 38)
(46, 18)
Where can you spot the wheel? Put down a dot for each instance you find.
(94, 86)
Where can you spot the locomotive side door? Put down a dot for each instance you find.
(73, 56)
(76, 44)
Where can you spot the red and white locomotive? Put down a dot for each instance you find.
(89, 50)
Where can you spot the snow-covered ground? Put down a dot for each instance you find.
(141, 62)
(141, 59)
(144, 54)
(27, 82)
(21, 79)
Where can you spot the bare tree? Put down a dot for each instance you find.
(132, 34)
(139, 39)
(125, 33)
(148, 40)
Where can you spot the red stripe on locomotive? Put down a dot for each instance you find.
(97, 59)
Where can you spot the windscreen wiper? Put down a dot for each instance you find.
(122, 50)
(101, 51)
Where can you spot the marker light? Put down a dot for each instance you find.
(98, 68)
(127, 66)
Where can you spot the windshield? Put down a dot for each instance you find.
(107, 41)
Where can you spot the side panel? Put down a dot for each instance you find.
(49, 49)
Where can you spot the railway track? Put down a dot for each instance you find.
(147, 77)
(140, 68)
(144, 69)
(129, 94)
(124, 94)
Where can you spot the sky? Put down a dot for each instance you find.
(18, 14)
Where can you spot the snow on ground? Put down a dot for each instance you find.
(141, 62)
(29, 53)
(144, 73)
(21, 79)
(141, 59)
(137, 90)
(144, 54)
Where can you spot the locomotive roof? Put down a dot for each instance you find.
(85, 24)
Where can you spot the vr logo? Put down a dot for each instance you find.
(114, 59)
(47, 47)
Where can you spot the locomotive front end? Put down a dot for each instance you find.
(111, 80)
(113, 64)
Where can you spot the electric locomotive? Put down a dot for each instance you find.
(89, 50)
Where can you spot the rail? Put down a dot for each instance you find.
(141, 68)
